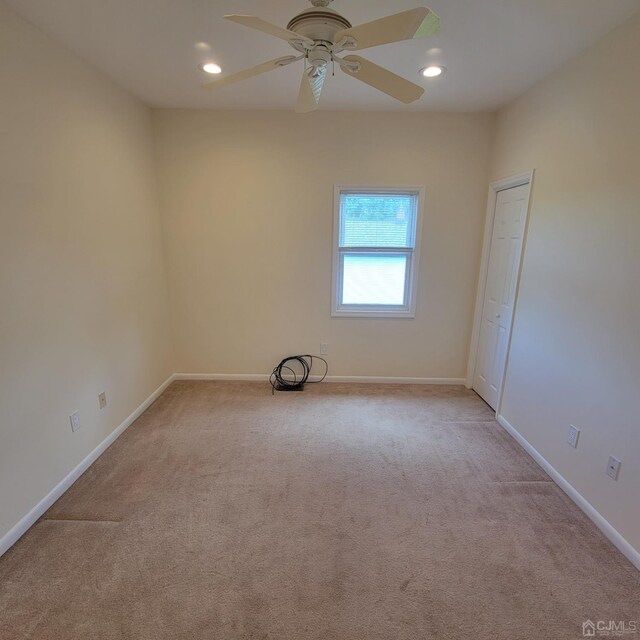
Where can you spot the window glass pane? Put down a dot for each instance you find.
(376, 220)
(374, 279)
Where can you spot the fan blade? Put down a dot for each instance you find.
(254, 71)
(253, 22)
(383, 80)
(407, 25)
(310, 90)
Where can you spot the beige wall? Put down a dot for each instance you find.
(575, 356)
(248, 210)
(82, 284)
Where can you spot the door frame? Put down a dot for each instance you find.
(494, 188)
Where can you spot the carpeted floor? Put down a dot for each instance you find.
(355, 512)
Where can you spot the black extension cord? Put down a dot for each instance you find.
(293, 381)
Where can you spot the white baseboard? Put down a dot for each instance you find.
(27, 521)
(230, 377)
(261, 377)
(598, 519)
(395, 380)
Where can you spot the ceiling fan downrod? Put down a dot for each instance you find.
(321, 3)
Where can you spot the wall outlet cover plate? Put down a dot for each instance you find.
(74, 419)
(613, 467)
(574, 435)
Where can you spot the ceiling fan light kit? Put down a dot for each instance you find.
(318, 34)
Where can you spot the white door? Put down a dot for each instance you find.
(500, 291)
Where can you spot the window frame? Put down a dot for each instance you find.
(407, 310)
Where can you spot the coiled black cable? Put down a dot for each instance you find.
(293, 381)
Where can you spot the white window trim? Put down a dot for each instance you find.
(381, 311)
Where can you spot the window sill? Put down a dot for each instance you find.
(373, 313)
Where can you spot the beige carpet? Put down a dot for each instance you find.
(344, 512)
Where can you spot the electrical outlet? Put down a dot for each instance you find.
(574, 434)
(74, 418)
(613, 467)
(324, 348)
(102, 400)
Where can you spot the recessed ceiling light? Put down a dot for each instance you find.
(212, 68)
(432, 71)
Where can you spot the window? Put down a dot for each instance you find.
(376, 247)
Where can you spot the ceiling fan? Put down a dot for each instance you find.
(319, 33)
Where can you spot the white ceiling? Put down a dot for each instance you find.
(493, 49)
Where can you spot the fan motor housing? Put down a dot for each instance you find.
(319, 24)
